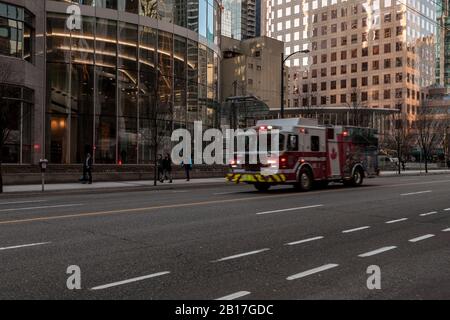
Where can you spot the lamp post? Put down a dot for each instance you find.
(283, 61)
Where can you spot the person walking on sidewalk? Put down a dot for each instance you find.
(160, 166)
(187, 169)
(167, 167)
(87, 169)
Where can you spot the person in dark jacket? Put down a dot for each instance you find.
(160, 166)
(87, 169)
(187, 169)
(167, 167)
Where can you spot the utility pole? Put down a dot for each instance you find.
(283, 62)
(233, 107)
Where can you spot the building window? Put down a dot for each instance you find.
(16, 32)
(16, 108)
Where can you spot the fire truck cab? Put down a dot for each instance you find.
(311, 155)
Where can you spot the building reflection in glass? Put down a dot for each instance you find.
(107, 81)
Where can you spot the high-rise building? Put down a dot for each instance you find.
(100, 78)
(248, 69)
(239, 19)
(370, 54)
(443, 47)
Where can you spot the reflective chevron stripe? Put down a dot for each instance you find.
(255, 178)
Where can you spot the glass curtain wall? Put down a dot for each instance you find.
(110, 84)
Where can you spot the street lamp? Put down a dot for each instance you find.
(283, 61)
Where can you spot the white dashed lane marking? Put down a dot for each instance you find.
(427, 236)
(290, 209)
(119, 283)
(303, 241)
(356, 229)
(21, 202)
(414, 193)
(43, 207)
(234, 296)
(395, 221)
(312, 271)
(241, 255)
(377, 251)
(428, 213)
(24, 246)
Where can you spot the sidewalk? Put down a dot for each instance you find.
(119, 185)
(148, 185)
(414, 172)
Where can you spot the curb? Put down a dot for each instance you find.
(151, 188)
(416, 174)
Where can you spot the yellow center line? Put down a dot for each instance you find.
(201, 203)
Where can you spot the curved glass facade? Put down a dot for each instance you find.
(111, 83)
(16, 32)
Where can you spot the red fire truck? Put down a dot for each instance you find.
(310, 155)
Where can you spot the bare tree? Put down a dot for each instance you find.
(160, 121)
(356, 108)
(308, 109)
(402, 137)
(430, 130)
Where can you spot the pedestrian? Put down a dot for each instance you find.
(403, 164)
(87, 169)
(187, 169)
(160, 166)
(167, 167)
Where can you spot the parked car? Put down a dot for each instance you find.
(387, 163)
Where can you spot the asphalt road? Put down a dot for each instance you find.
(231, 242)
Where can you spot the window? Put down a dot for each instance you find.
(16, 32)
(376, 50)
(364, 81)
(333, 85)
(376, 80)
(365, 66)
(17, 102)
(292, 142)
(315, 143)
(375, 65)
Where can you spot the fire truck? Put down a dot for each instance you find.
(310, 155)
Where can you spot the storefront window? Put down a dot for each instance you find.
(58, 112)
(16, 109)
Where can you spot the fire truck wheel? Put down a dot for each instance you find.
(305, 180)
(262, 187)
(357, 179)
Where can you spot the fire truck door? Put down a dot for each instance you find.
(333, 155)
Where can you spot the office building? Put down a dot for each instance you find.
(101, 82)
(364, 54)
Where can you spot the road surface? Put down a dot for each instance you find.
(230, 242)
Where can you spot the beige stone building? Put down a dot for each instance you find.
(252, 68)
(366, 54)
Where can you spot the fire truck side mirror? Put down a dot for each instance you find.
(43, 164)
